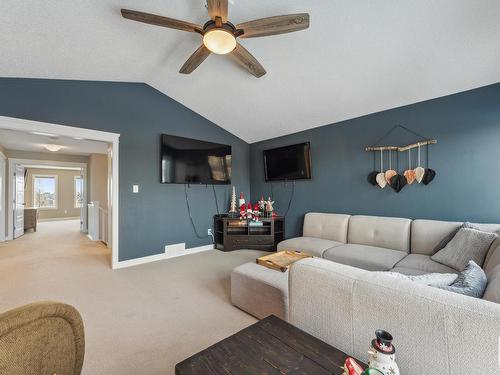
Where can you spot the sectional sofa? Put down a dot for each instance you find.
(335, 296)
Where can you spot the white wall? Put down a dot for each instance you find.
(98, 179)
(3, 194)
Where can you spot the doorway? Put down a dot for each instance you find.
(15, 208)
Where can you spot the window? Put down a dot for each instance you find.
(78, 192)
(45, 191)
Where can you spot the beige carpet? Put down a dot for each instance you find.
(138, 320)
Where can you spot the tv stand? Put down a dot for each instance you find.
(235, 234)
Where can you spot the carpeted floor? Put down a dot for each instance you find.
(138, 320)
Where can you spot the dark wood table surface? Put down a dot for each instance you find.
(270, 346)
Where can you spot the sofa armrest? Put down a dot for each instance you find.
(343, 306)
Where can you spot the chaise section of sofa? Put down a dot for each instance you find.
(435, 331)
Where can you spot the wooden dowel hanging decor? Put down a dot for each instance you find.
(392, 177)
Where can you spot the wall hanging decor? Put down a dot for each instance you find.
(392, 177)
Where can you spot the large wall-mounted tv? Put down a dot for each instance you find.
(191, 161)
(288, 163)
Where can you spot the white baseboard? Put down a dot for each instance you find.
(171, 251)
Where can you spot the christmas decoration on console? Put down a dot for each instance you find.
(269, 207)
(256, 212)
(262, 206)
(232, 208)
(242, 200)
(382, 354)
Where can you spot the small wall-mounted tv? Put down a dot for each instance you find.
(288, 163)
(191, 161)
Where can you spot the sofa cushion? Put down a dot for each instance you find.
(370, 258)
(492, 292)
(311, 245)
(468, 244)
(385, 232)
(419, 264)
(471, 281)
(427, 234)
(442, 244)
(326, 226)
(493, 255)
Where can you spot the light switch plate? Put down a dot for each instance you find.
(135, 188)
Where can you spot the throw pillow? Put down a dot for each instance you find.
(468, 244)
(450, 236)
(471, 282)
(430, 279)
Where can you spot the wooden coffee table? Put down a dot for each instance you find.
(270, 346)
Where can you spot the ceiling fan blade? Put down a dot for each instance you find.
(153, 19)
(245, 59)
(217, 8)
(195, 60)
(274, 25)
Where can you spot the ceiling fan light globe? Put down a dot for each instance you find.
(52, 147)
(219, 41)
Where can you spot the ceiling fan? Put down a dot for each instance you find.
(219, 35)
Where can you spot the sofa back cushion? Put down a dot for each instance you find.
(388, 232)
(326, 226)
(493, 255)
(426, 234)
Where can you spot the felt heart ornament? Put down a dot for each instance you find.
(372, 178)
(389, 174)
(428, 176)
(419, 171)
(398, 182)
(409, 173)
(410, 176)
(419, 174)
(381, 180)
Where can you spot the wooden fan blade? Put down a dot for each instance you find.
(274, 25)
(195, 60)
(217, 8)
(153, 19)
(245, 59)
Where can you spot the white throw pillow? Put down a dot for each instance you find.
(430, 279)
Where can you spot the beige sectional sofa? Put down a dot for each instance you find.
(381, 243)
(436, 331)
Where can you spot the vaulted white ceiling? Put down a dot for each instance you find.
(358, 57)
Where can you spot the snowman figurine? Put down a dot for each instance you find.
(381, 354)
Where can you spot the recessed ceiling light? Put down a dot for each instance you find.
(44, 134)
(79, 138)
(52, 147)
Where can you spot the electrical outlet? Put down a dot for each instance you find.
(209, 231)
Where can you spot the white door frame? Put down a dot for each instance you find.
(3, 174)
(47, 163)
(78, 132)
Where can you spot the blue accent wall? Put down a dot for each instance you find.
(157, 216)
(466, 159)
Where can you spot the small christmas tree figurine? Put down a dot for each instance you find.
(233, 212)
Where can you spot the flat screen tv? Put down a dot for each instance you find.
(191, 161)
(288, 163)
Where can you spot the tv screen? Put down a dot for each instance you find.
(288, 163)
(190, 161)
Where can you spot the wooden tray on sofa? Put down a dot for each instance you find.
(282, 260)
